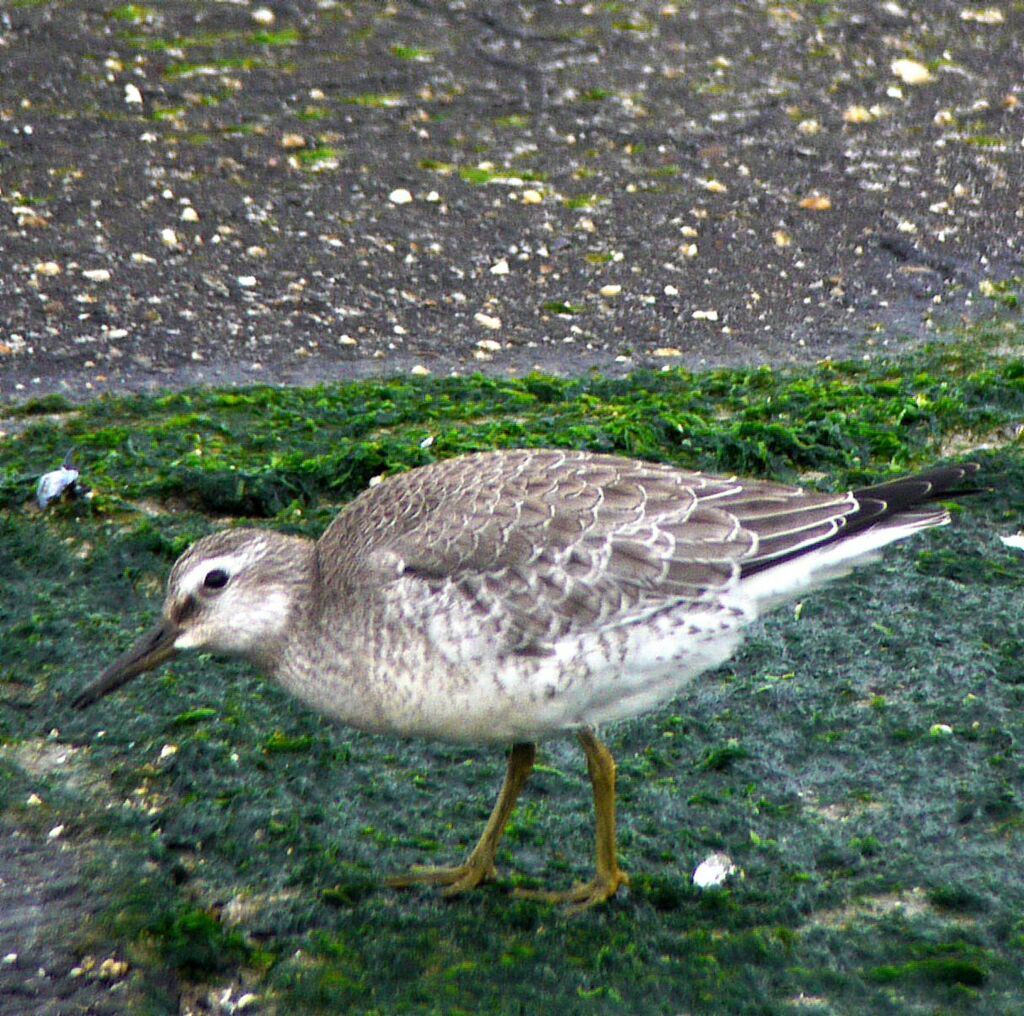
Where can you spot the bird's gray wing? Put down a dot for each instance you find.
(544, 543)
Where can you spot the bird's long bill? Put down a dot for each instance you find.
(149, 652)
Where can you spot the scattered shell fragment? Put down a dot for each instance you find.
(487, 320)
(420, 371)
(715, 186)
(943, 118)
(47, 268)
(667, 352)
(132, 95)
(809, 127)
(688, 250)
(500, 267)
(293, 141)
(489, 345)
(55, 833)
(263, 16)
(138, 258)
(33, 800)
(816, 203)
(858, 114)
(705, 315)
(713, 871)
(782, 238)
(246, 281)
(400, 196)
(168, 237)
(29, 218)
(168, 751)
(911, 72)
(670, 291)
(532, 197)
(983, 15)
(1016, 541)
(940, 730)
(610, 290)
(96, 274)
(189, 214)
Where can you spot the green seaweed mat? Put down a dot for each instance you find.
(858, 759)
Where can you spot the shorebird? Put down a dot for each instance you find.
(513, 596)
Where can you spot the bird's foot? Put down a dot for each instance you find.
(456, 880)
(581, 897)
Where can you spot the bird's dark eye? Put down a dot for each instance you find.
(216, 579)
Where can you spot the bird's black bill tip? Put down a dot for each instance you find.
(156, 646)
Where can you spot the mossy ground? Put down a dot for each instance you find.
(858, 759)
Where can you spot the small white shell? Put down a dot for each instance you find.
(713, 871)
(52, 486)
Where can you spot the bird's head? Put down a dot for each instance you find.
(232, 593)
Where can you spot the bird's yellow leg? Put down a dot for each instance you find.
(479, 866)
(609, 875)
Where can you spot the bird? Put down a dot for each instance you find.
(514, 596)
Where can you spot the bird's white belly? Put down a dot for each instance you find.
(589, 679)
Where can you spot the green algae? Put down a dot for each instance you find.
(881, 864)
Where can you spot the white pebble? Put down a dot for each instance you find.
(263, 16)
(487, 321)
(168, 237)
(189, 214)
(97, 274)
(911, 72)
(705, 315)
(400, 196)
(132, 95)
(55, 833)
(500, 267)
(246, 281)
(610, 290)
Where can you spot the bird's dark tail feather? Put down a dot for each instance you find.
(900, 500)
(883, 500)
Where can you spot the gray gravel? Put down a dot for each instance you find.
(680, 151)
